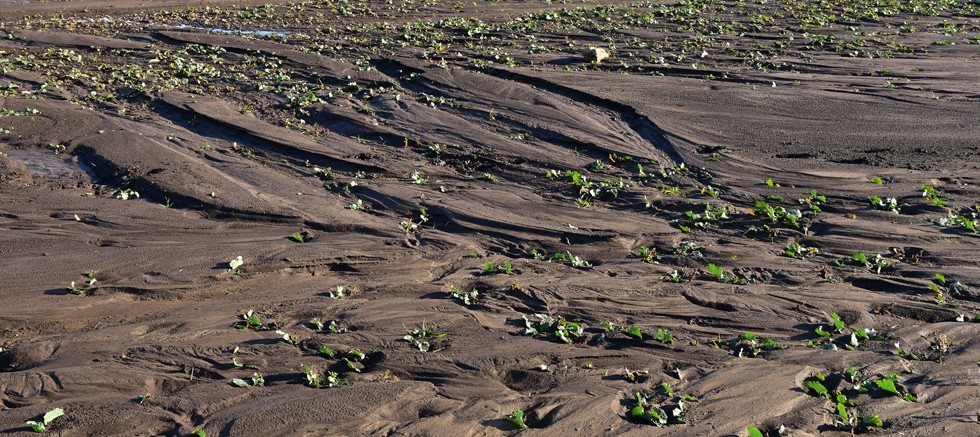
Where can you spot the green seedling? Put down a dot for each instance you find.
(888, 385)
(467, 298)
(337, 293)
(799, 251)
(664, 336)
(635, 332)
(199, 433)
(754, 431)
(418, 178)
(933, 195)
(717, 272)
(876, 180)
(256, 381)
(777, 214)
(358, 205)
(748, 345)
(288, 339)
(302, 237)
(488, 267)
(905, 354)
(577, 262)
(820, 331)
(668, 390)
(961, 221)
(884, 204)
(507, 267)
(419, 337)
(691, 220)
(517, 418)
(559, 328)
(250, 320)
(814, 200)
(49, 417)
(312, 379)
(126, 194)
(818, 388)
(645, 412)
(838, 323)
(647, 254)
(235, 263)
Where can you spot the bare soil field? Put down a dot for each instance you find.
(423, 217)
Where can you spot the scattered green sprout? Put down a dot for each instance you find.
(287, 338)
(517, 418)
(664, 336)
(126, 194)
(560, 328)
(754, 431)
(250, 320)
(467, 298)
(338, 292)
(647, 254)
(302, 237)
(800, 251)
(876, 180)
(884, 204)
(420, 336)
(49, 417)
(933, 195)
(235, 263)
(255, 381)
(646, 411)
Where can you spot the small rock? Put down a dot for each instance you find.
(595, 54)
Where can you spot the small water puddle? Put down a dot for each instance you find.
(47, 164)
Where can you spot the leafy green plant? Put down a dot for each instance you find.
(818, 388)
(777, 214)
(933, 195)
(876, 180)
(634, 332)
(887, 385)
(126, 194)
(302, 237)
(691, 220)
(250, 320)
(646, 411)
(884, 204)
(664, 336)
(754, 431)
(517, 418)
(717, 272)
(647, 254)
(467, 298)
(235, 263)
(49, 417)
(560, 328)
(800, 251)
(255, 381)
(814, 201)
(286, 338)
(875, 266)
(337, 293)
(420, 336)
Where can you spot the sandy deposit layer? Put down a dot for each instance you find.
(408, 144)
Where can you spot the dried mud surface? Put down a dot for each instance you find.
(412, 142)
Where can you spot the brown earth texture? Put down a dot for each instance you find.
(426, 217)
